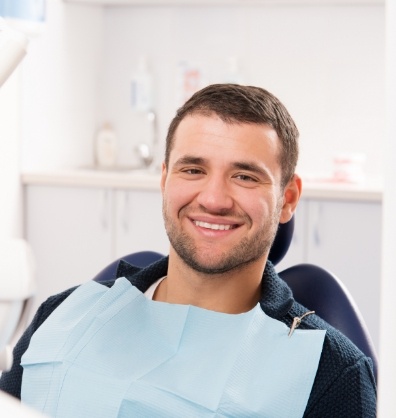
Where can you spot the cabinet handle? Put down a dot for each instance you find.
(295, 238)
(125, 212)
(316, 224)
(104, 218)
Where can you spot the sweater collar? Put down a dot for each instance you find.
(276, 297)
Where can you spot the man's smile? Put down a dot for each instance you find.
(214, 226)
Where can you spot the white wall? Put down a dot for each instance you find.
(326, 63)
(60, 87)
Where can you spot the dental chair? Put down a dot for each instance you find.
(313, 287)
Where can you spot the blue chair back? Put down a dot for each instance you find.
(282, 242)
(321, 291)
(139, 259)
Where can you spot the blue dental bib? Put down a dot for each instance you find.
(114, 353)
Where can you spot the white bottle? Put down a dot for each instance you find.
(106, 147)
(142, 88)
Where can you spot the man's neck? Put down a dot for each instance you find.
(233, 292)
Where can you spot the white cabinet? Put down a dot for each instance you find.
(345, 238)
(70, 233)
(76, 231)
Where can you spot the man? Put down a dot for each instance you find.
(213, 334)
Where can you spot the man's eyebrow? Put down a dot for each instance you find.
(190, 159)
(252, 167)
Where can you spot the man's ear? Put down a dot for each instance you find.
(163, 176)
(291, 196)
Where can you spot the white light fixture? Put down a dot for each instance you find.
(13, 45)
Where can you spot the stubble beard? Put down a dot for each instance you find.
(247, 251)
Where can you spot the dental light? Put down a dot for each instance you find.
(13, 46)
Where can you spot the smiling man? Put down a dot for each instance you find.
(223, 200)
(204, 332)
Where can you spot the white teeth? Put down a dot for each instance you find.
(220, 227)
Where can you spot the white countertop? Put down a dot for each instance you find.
(145, 180)
(82, 177)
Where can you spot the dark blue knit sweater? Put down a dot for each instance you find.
(344, 385)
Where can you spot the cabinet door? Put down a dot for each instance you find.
(139, 223)
(345, 238)
(69, 230)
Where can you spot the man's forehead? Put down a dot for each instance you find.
(198, 121)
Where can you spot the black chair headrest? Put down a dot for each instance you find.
(282, 241)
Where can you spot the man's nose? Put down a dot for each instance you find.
(216, 195)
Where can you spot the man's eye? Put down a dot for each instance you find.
(244, 177)
(192, 171)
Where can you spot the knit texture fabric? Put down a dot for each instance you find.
(344, 384)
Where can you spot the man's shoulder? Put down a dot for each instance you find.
(339, 352)
(49, 305)
(139, 277)
(343, 369)
(11, 381)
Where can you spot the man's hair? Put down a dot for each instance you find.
(233, 103)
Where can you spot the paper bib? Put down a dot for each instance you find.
(114, 353)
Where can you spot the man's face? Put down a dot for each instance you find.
(222, 198)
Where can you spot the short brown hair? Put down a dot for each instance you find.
(233, 103)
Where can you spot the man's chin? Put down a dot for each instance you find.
(210, 266)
